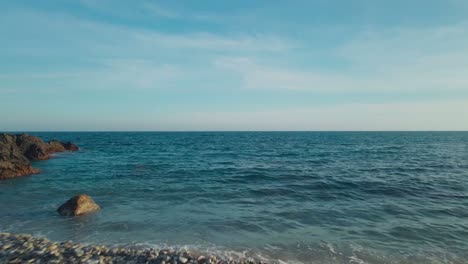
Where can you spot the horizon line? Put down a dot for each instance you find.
(198, 131)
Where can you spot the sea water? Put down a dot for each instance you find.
(285, 197)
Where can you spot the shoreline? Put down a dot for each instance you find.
(24, 248)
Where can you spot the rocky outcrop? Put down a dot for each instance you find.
(33, 147)
(78, 205)
(58, 146)
(16, 151)
(12, 161)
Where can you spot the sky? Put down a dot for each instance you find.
(107, 65)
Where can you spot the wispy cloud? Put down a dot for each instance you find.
(214, 43)
(107, 74)
(258, 76)
(119, 56)
(400, 60)
(135, 74)
(159, 11)
(116, 49)
(62, 32)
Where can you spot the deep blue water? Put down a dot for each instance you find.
(307, 197)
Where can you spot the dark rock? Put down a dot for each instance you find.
(59, 146)
(16, 151)
(12, 161)
(78, 205)
(70, 146)
(33, 147)
(56, 146)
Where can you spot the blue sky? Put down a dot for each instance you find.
(233, 65)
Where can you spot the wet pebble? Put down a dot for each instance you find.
(6, 246)
(78, 252)
(27, 249)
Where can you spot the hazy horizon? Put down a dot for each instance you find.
(234, 66)
(229, 131)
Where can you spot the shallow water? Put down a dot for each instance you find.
(296, 197)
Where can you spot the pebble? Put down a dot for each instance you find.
(28, 249)
(6, 246)
(78, 252)
(52, 247)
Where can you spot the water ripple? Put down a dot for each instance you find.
(296, 197)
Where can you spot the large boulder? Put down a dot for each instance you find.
(78, 205)
(16, 151)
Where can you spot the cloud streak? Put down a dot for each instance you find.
(394, 60)
(400, 61)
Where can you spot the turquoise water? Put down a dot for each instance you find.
(296, 197)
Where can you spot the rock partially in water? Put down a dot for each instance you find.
(56, 146)
(59, 146)
(78, 205)
(70, 146)
(33, 147)
(16, 151)
(12, 161)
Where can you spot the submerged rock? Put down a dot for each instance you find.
(78, 205)
(16, 151)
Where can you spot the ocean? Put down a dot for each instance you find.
(284, 197)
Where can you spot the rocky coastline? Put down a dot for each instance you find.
(17, 248)
(18, 150)
(16, 153)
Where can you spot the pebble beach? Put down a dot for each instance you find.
(22, 248)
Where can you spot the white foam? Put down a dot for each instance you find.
(356, 260)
